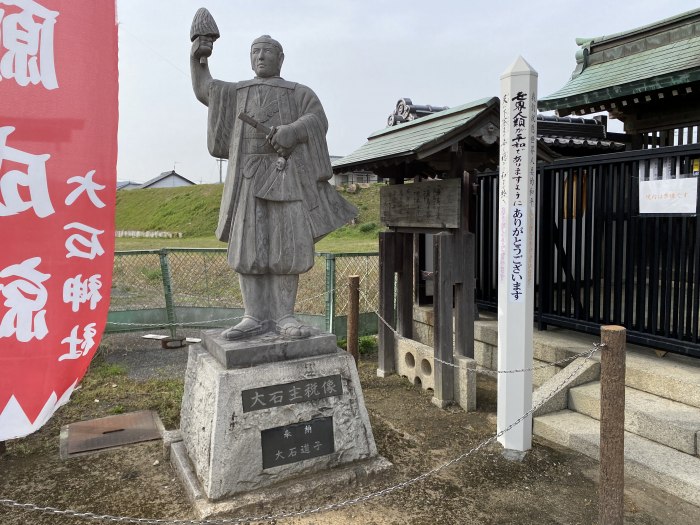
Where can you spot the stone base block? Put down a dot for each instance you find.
(414, 361)
(265, 348)
(248, 428)
(465, 383)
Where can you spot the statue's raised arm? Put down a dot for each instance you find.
(203, 33)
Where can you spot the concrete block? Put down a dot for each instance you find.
(224, 441)
(465, 383)
(414, 361)
(170, 437)
(486, 331)
(587, 371)
(555, 344)
(423, 333)
(671, 376)
(266, 348)
(541, 375)
(661, 420)
(486, 355)
(663, 467)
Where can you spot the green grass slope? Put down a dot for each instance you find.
(194, 211)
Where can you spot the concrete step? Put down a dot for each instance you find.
(667, 422)
(674, 377)
(660, 466)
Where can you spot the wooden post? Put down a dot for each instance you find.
(404, 289)
(354, 316)
(387, 263)
(443, 245)
(612, 426)
(464, 297)
(3, 448)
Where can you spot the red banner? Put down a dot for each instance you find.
(58, 154)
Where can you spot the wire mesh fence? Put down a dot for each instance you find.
(182, 286)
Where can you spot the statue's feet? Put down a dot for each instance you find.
(290, 327)
(248, 327)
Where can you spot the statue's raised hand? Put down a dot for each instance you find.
(202, 47)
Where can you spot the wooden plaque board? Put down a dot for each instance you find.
(432, 204)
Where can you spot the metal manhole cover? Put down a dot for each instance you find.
(113, 431)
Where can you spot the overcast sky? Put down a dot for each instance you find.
(359, 57)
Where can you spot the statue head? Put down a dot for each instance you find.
(266, 56)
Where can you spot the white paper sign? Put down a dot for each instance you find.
(668, 196)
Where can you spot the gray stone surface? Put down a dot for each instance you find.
(486, 355)
(414, 361)
(465, 383)
(223, 443)
(588, 371)
(660, 466)
(281, 494)
(672, 377)
(667, 422)
(265, 348)
(542, 372)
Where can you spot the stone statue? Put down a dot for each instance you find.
(277, 201)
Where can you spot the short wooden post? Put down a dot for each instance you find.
(612, 426)
(443, 372)
(387, 265)
(3, 448)
(354, 316)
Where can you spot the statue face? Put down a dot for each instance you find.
(266, 60)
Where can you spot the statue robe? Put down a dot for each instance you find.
(304, 205)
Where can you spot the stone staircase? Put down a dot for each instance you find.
(662, 402)
(662, 420)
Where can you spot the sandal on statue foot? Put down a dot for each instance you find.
(248, 327)
(290, 327)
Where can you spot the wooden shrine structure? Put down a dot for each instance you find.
(430, 164)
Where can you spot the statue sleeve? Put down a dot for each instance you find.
(311, 128)
(222, 108)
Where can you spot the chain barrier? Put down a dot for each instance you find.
(483, 370)
(309, 511)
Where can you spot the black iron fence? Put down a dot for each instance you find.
(598, 261)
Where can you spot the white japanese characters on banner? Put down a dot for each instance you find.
(58, 146)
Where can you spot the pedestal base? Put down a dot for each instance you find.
(248, 428)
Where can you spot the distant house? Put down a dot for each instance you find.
(352, 177)
(167, 179)
(127, 185)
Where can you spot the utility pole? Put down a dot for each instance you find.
(221, 162)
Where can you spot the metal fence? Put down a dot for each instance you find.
(186, 287)
(598, 261)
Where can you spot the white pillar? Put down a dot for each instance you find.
(516, 249)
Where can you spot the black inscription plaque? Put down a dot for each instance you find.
(290, 393)
(298, 442)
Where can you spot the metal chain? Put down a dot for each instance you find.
(487, 371)
(324, 508)
(496, 372)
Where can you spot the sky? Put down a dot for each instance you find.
(359, 56)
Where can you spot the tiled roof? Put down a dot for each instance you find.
(411, 138)
(665, 54)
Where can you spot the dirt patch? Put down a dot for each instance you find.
(550, 486)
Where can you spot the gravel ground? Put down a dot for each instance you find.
(550, 486)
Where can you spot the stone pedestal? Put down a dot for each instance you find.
(253, 417)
